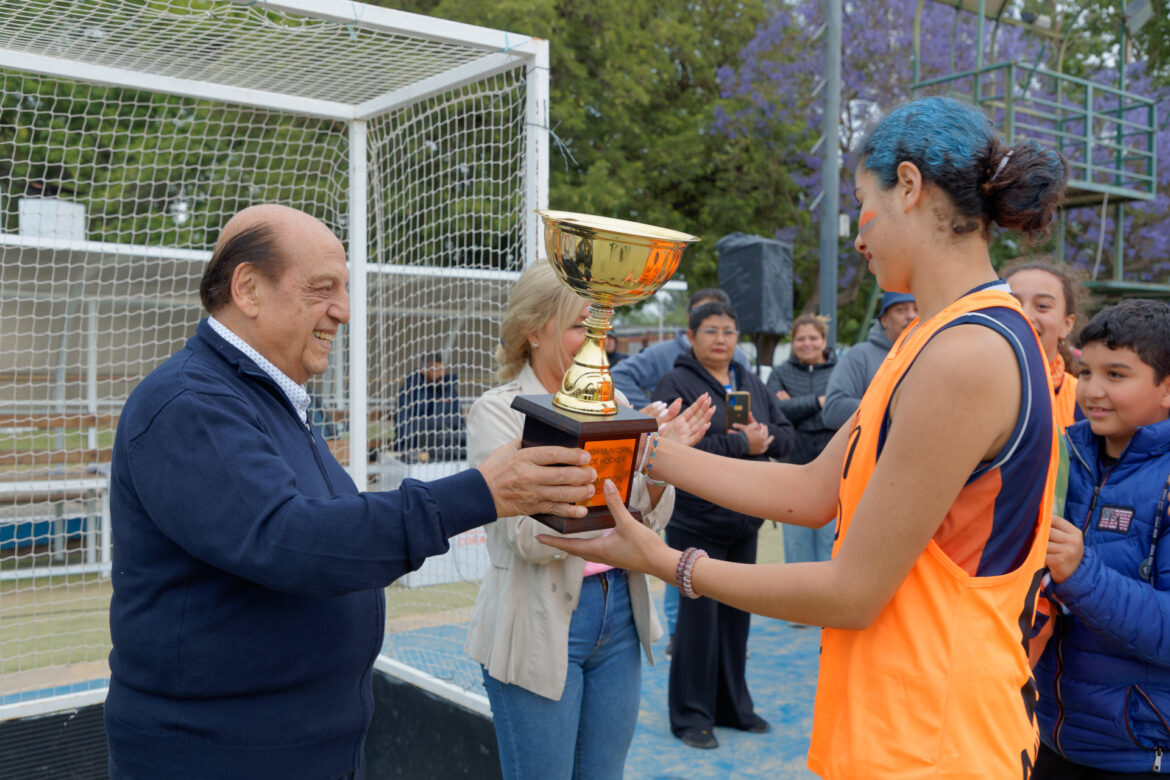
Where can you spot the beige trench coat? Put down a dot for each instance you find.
(520, 627)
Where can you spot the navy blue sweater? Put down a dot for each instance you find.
(247, 608)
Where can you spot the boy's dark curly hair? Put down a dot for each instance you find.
(1138, 324)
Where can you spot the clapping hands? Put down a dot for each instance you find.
(685, 426)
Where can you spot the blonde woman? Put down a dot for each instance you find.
(558, 638)
(1051, 297)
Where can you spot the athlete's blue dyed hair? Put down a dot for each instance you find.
(956, 148)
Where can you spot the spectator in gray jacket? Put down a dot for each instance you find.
(638, 375)
(799, 385)
(856, 367)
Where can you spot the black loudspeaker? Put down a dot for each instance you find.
(756, 273)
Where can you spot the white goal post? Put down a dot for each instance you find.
(130, 131)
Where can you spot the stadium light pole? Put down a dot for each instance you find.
(830, 166)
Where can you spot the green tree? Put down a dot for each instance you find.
(1093, 29)
(633, 90)
(156, 169)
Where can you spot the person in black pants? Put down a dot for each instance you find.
(708, 686)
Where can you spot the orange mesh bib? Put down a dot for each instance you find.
(939, 685)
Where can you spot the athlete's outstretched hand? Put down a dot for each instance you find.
(631, 545)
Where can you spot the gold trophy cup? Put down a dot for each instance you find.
(610, 263)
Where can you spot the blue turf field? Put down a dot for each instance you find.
(781, 676)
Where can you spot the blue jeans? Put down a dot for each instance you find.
(802, 545)
(588, 732)
(670, 607)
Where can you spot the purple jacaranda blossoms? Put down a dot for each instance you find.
(775, 82)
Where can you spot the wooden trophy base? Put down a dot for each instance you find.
(611, 440)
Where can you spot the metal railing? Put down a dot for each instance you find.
(1105, 133)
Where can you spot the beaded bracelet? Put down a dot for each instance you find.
(686, 568)
(649, 450)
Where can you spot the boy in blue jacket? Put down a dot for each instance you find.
(1104, 677)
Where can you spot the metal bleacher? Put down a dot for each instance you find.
(1105, 131)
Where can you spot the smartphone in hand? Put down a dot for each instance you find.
(739, 406)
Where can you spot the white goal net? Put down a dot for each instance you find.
(130, 131)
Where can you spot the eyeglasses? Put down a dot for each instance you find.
(727, 333)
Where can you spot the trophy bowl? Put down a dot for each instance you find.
(610, 263)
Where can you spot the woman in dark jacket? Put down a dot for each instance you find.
(707, 683)
(799, 385)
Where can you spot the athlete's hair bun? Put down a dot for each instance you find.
(1024, 187)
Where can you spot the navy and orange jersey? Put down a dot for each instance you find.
(939, 684)
(988, 529)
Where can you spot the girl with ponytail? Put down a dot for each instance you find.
(941, 483)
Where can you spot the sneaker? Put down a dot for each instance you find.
(698, 738)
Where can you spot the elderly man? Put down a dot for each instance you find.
(248, 569)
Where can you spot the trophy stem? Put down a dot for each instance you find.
(587, 387)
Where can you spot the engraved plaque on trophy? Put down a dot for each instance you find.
(610, 263)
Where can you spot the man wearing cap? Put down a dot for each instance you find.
(857, 366)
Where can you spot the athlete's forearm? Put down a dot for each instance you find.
(798, 495)
(812, 593)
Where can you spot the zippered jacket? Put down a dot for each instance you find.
(248, 574)
(637, 375)
(1104, 677)
(688, 380)
(804, 383)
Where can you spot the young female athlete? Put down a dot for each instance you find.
(941, 483)
(1051, 296)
